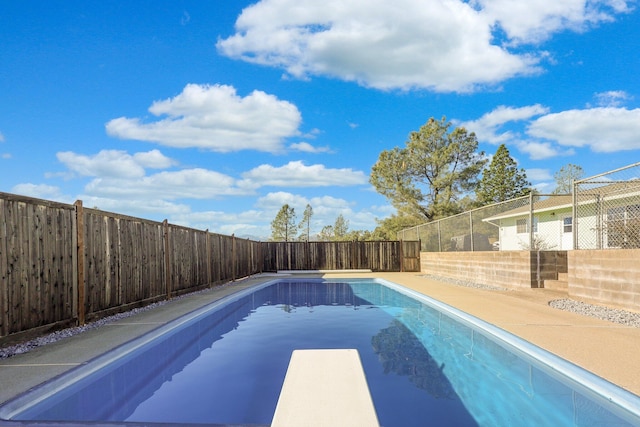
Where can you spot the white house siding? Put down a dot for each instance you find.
(509, 239)
(607, 217)
(548, 234)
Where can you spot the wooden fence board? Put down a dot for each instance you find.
(188, 252)
(125, 261)
(36, 260)
(411, 256)
(4, 268)
(373, 255)
(14, 321)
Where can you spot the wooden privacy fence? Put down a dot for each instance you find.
(37, 259)
(375, 255)
(65, 264)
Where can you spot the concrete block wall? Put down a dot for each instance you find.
(609, 277)
(508, 269)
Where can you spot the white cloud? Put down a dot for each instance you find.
(321, 205)
(441, 45)
(256, 223)
(142, 208)
(41, 191)
(221, 217)
(113, 163)
(153, 159)
(386, 45)
(541, 180)
(488, 128)
(613, 98)
(533, 21)
(330, 203)
(534, 174)
(603, 130)
(325, 210)
(214, 118)
(119, 176)
(167, 185)
(542, 135)
(184, 20)
(541, 150)
(275, 200)
(4, 155)
(297, 174)
(305, 147)
(251, 223)
(545, 187)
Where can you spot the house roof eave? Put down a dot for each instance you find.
(513, 214)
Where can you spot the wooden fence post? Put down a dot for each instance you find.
(233, 258)
(167, 258)
(260, 257)
(208, 257)
(80, 280)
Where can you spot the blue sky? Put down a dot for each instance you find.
(213, 114)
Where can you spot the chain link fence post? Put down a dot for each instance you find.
(607, 210)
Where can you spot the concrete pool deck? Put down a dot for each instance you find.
(604, 348)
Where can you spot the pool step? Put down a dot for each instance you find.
(561, 283)
(325, 388)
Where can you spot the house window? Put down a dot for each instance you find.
(623, 226)
(535, 224)
(567, 224)
(522, 225)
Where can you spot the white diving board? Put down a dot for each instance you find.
(325, 388)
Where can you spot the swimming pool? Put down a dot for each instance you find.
(425, 362)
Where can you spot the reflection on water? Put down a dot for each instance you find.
(400, 351)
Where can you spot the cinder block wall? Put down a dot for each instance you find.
(610, 277)
(508, 269)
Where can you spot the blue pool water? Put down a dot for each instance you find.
(425, 364)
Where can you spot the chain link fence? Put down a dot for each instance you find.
(607, 210)
(533, 222)
(468, 231)
(603, 212)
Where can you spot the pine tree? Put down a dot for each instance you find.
(340, 228)
(305, 224)
(284, 224)
(430, 176)
(502, 180)
(326, 234)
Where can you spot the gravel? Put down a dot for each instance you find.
(465, 283)
(24, 347)
(622, 317)
(618, 316)
(614, 315)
